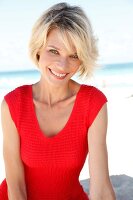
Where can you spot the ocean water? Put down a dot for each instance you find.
(116, 77)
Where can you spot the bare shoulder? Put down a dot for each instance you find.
(98, 128)
(4, 108)
(6, 117)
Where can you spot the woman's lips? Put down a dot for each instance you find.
(58, 75)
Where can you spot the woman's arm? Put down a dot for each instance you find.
(11, 152)
(100, 185)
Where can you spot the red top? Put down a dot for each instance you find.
(53, 164)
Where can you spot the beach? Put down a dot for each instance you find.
(113, 30)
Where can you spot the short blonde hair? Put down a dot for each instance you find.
(72, 22)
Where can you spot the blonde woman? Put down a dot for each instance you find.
(54, 123)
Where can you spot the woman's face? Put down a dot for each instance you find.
(57, 65)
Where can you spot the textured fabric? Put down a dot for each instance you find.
(53, 164)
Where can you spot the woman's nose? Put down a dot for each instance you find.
(63, 63)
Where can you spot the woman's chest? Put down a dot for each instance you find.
(52, 120)
(51, 136)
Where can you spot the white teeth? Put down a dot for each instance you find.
(59, 75)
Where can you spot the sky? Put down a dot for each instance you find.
(111, 21)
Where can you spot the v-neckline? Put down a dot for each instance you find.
(33, 113)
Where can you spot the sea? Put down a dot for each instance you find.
(116, 78)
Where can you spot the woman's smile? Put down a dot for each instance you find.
(57, 74)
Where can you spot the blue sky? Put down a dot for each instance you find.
(111, 20)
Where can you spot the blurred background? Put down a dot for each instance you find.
(112, 25)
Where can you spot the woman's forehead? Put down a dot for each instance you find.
(61, 40)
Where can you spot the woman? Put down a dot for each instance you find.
(54, 123)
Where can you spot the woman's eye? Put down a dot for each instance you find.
(75, 56)
(53, 51)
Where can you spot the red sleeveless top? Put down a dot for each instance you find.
(53, 164)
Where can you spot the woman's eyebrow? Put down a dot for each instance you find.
(52, 46)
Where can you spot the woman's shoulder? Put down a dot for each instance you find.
(17, 95)
(93, 92)
(23, 89)
(14, 99)
(90, 88)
